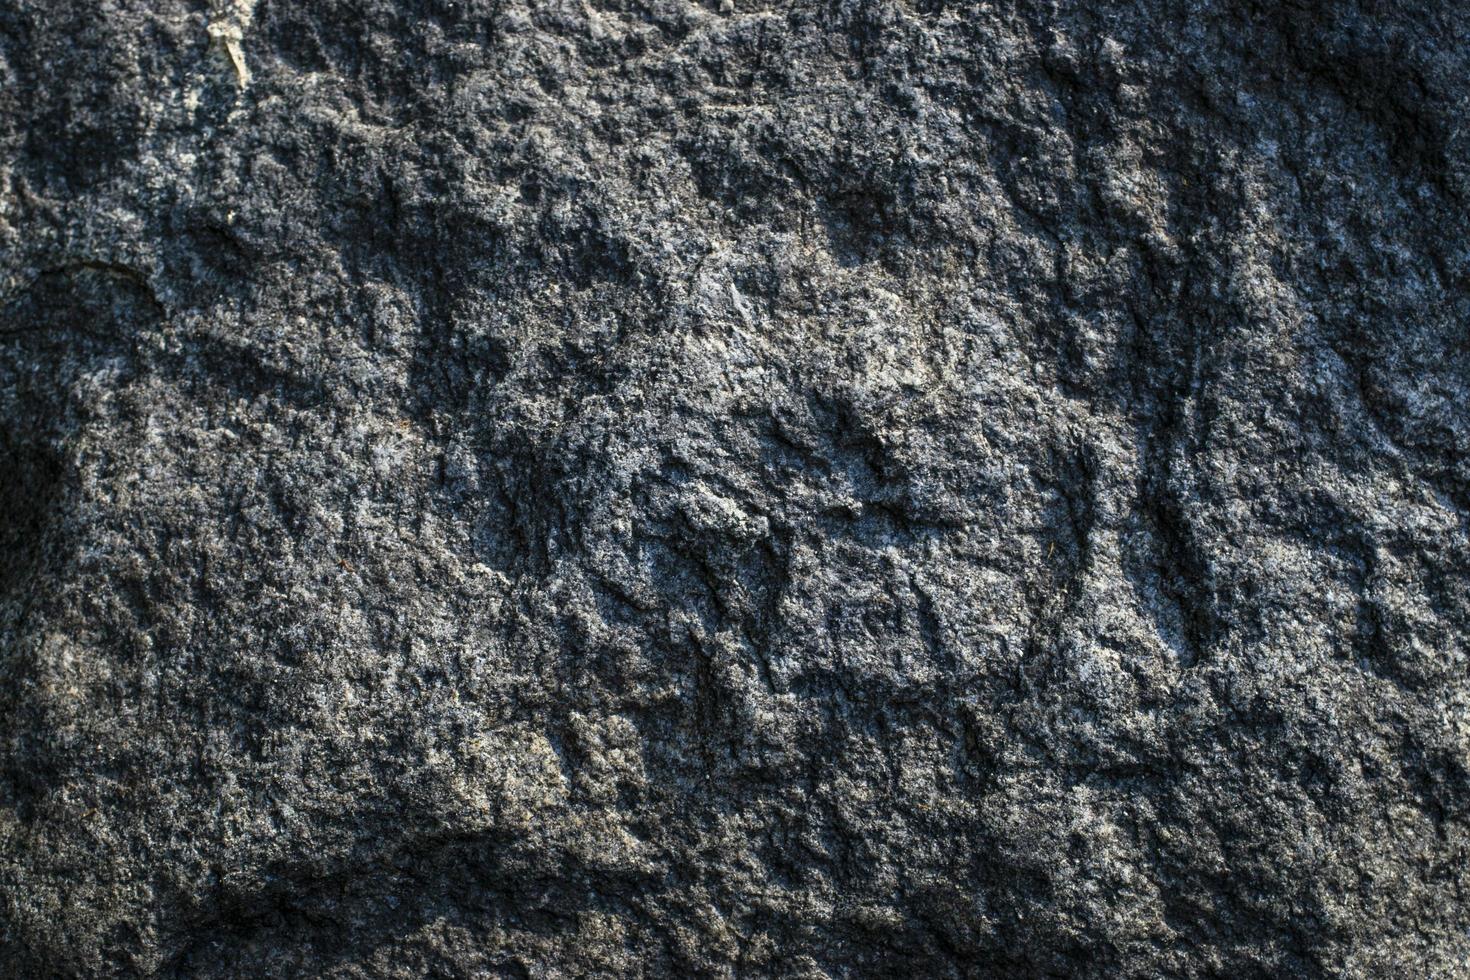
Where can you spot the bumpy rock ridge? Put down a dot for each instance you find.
(499, 488)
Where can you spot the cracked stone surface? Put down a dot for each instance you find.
(642, 487)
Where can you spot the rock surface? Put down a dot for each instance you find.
(504, 488)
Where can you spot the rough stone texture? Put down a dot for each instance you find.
(639, 487)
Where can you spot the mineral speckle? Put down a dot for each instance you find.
(643, 487)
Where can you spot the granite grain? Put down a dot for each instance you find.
(504, 488)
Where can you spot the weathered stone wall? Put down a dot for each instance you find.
(844, 489)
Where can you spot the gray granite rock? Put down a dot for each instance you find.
(550, 488)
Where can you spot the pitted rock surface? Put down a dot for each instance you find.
(503, 488)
